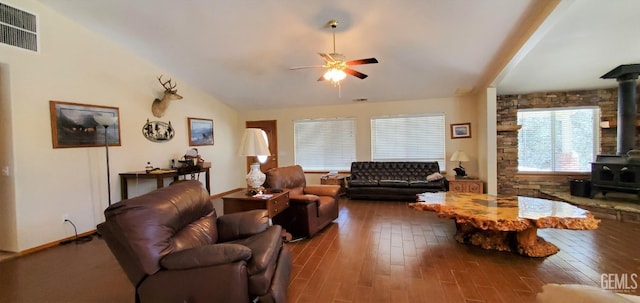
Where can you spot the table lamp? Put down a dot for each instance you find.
(254, 144)
(460, 156)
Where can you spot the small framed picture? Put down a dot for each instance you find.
(74, 125)
(200, 131)
(460, 130)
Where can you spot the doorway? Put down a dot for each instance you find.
(270, 127)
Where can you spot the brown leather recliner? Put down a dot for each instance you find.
(311, 207)
(174, 248)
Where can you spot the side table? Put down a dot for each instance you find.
(464, 185)
(274, 203)
(335, 180)
(238, 201)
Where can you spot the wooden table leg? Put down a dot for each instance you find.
(529, 244)
(124, 188)
(160, 181)
(526, 242)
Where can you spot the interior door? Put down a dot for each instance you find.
(269, 127)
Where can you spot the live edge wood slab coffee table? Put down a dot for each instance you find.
(505, 223)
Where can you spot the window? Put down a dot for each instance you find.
(408, 138)
(558, 140)
(325, 144)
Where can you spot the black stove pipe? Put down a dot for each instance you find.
(627, 112)
(627, 105)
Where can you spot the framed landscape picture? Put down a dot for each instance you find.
(200, 131)
(73, 125)
(460, 130)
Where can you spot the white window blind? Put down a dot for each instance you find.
(325, 144)
(558, 140)
(408, 138)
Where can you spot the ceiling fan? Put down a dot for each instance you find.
(337, 68)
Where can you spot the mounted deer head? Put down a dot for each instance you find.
(159, 106)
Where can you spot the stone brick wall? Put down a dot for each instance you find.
(512, 183)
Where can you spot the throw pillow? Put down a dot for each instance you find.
(434, 177)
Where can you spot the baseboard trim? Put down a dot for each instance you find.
(54, 243)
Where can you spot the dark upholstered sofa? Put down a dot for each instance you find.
(393, 180)
(174, 248)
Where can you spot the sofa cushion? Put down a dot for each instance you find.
(363, 182)
(419, 183)
(394, 183)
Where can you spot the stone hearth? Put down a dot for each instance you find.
(617, 206)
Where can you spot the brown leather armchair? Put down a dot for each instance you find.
(174, 248)
(311, 207)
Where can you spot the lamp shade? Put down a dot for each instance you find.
(459, 156)
(254, 143)
(105, 119)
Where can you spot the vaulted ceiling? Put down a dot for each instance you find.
(241, 51)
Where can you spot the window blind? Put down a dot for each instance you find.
(325, 144)
(408, 138)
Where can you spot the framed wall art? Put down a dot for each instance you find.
(460, 130)
(158, 131)
(73, 125)
(200, 131)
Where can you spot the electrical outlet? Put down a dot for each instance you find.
(65, 217)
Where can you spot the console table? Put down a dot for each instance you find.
(505, 223)
(159, 176)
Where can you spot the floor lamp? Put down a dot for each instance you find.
(106, 120)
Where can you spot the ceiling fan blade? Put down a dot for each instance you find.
(362, 61)
(326, 57)
(355, 73)
(303, 67)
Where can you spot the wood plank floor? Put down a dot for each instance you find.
(375, 252)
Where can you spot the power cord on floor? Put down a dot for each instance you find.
(76, 239)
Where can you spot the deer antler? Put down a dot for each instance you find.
(169, 88)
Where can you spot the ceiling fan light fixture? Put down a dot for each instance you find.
(335, 75)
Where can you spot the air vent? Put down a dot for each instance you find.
(18, 28)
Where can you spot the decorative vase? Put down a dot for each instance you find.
(255, 177)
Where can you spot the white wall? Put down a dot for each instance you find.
(75, 65)
(8, 228)
(456, 110)
(487, 148)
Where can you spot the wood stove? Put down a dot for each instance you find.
(615, 173)
(621, 172)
